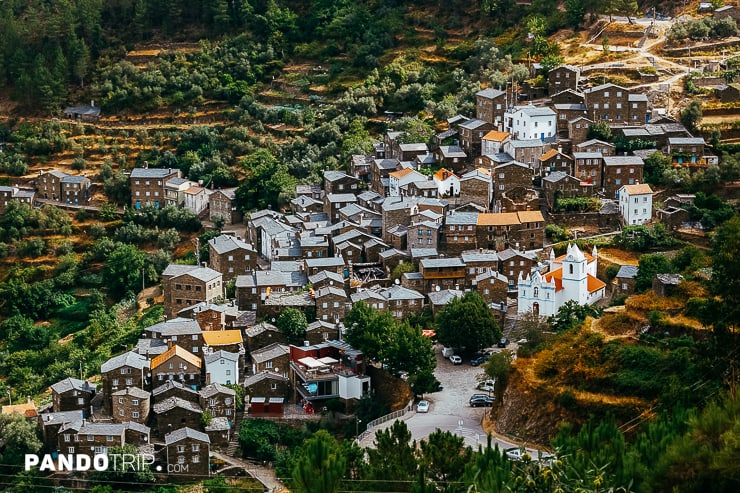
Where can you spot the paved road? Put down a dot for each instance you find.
(449, 410)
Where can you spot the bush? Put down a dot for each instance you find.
(257, 439)
(556, 233)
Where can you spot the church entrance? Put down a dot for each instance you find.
(536, 309)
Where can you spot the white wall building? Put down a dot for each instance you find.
(400, 179)
(223, 367)
(571, 277)
(530, 122)
(196, 199)
(636, 203)
(446, 182)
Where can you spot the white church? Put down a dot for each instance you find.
(571, 277)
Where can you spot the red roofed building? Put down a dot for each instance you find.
(571, 277)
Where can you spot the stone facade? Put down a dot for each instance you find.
(191, 448)
(147, 186)
(490, 105)
(222, 204)
(177, 363)
(186, 285)
(131, 404)
(562, 78)
(231, 256)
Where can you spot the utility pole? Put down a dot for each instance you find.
(197, 250)
(143, 287)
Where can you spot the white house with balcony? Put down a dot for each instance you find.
(571, 277)
(530, 122)
(636, 203)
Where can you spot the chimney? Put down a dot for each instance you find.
(28, 399)
(208, 378)
(92, 103)
(169, 343)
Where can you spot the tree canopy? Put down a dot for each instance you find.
(467, 322)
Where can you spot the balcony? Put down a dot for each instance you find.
(323, 373)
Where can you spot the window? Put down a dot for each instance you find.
(135, 414)
(619, 171)
(644, 211)
(619, 106)
(90, 438)
(120, 400)
(109, 438)
(596, 106)
(268, 364)
(121, 412)
(273, 386)
(67, 438)
(181, 459)
(228, 412)
(71, 450)
(196, 459)
(606, 94)
(135, 402)
(536, 292)
(606, 106)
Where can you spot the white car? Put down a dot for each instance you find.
(422, 407)
(515, 453)
(456, 360)
(487, 385)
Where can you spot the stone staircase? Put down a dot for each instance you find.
(232, 450)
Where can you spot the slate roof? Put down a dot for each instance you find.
(130, 358)
(152, 172)
(432, 263)
(215, 388)
(531, 110)
(133, 392)
(226, 243)
(260, 328)
(175, 327)
(623, 161)
(490, 93)
(182, 433)
(171, 403)
(253, 379)
(267, 353)
(72, 384)
(444, 296)
(324, 262)
(172, 384)
(474, 256)
(457, 218)
(396, 292)
(627, 272)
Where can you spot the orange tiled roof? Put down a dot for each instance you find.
(496, 136)
(222, 337)
(549, 154)
(27, 409)
(176, 351)
(498, 219)
(639, 188)
(440, 174)
(530, 216)
(557, 276)
(594, 284)
(401, 173)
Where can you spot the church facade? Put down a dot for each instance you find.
(571, 277)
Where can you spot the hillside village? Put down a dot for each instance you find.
(406, 229)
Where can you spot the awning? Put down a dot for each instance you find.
(428, 333)
(327, 360)
(311, 363)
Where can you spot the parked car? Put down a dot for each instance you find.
(503, 342)
(515, 453)
(478, 400)
(422, 407)
(479, 359)
(487, 385)
(456, 360)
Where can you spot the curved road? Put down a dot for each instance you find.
(449, 410)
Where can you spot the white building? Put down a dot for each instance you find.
(571, 277)
(636, 203)
(493, 142)
(530, 122)
(223, 367)
(196, 199)
(448, 183)
(398, 180)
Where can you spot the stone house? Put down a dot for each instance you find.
(402, 302)
(88, 438)
(561, 185)
(494, 230)
(477, 187)
(326, 278)
(173, 388)
(443, 273)
(426, 189)
(351, 251)
(14, 193)
(453, 157)
(177, 363)
(664, 285)
(222, 367)
(509, 176)
(51, 423)
(372, 249)
(219, 400)
(306, 204)
(554, 160)
(672, 217)
(596, 145)
(492, 287)
(471, 134)
(578, 129)
(333, 264)
(331, 304)
(338, 182)
(222, 204)
(625, 280)
(611, 102)
(333, 202)
(408, 152)
(568, 96)
(397, 211)
(567, 112)
(620, 171)
(123, 371)
(513, 263)
(174, 413)
(49, 184)
(490, 105)
(392, 257)
(219, 431)
(371, 297)
(267, 384)
(413, 280)
(75, 189)
(686, 150)
(131, 404)
(207, 315)
(563, 77)
(360, 167)
(589, 167)
(183, 332)
(320, 331)
(439, 298)
(186, 285)
(147, 185)
(231, 256)
(72, 394)
(530, 233)
(187, 447)
(423, 234)
(273, 358)
(459, 232)
(380, 170)
(478, 262)
(727, 93)
(526, 151)
(253, 290)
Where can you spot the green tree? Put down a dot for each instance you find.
(691, 115)
(498, 368)
(648, 266)
(575, 12)
(123, 269)
(321, 467)
(444, 456)
(600, 130)
(368, 329)
(20, 437)
(292, 322)
(392, 460)
(257, 439)
(467, 322)
(571, 315)
(726, 273)
(655, 165)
